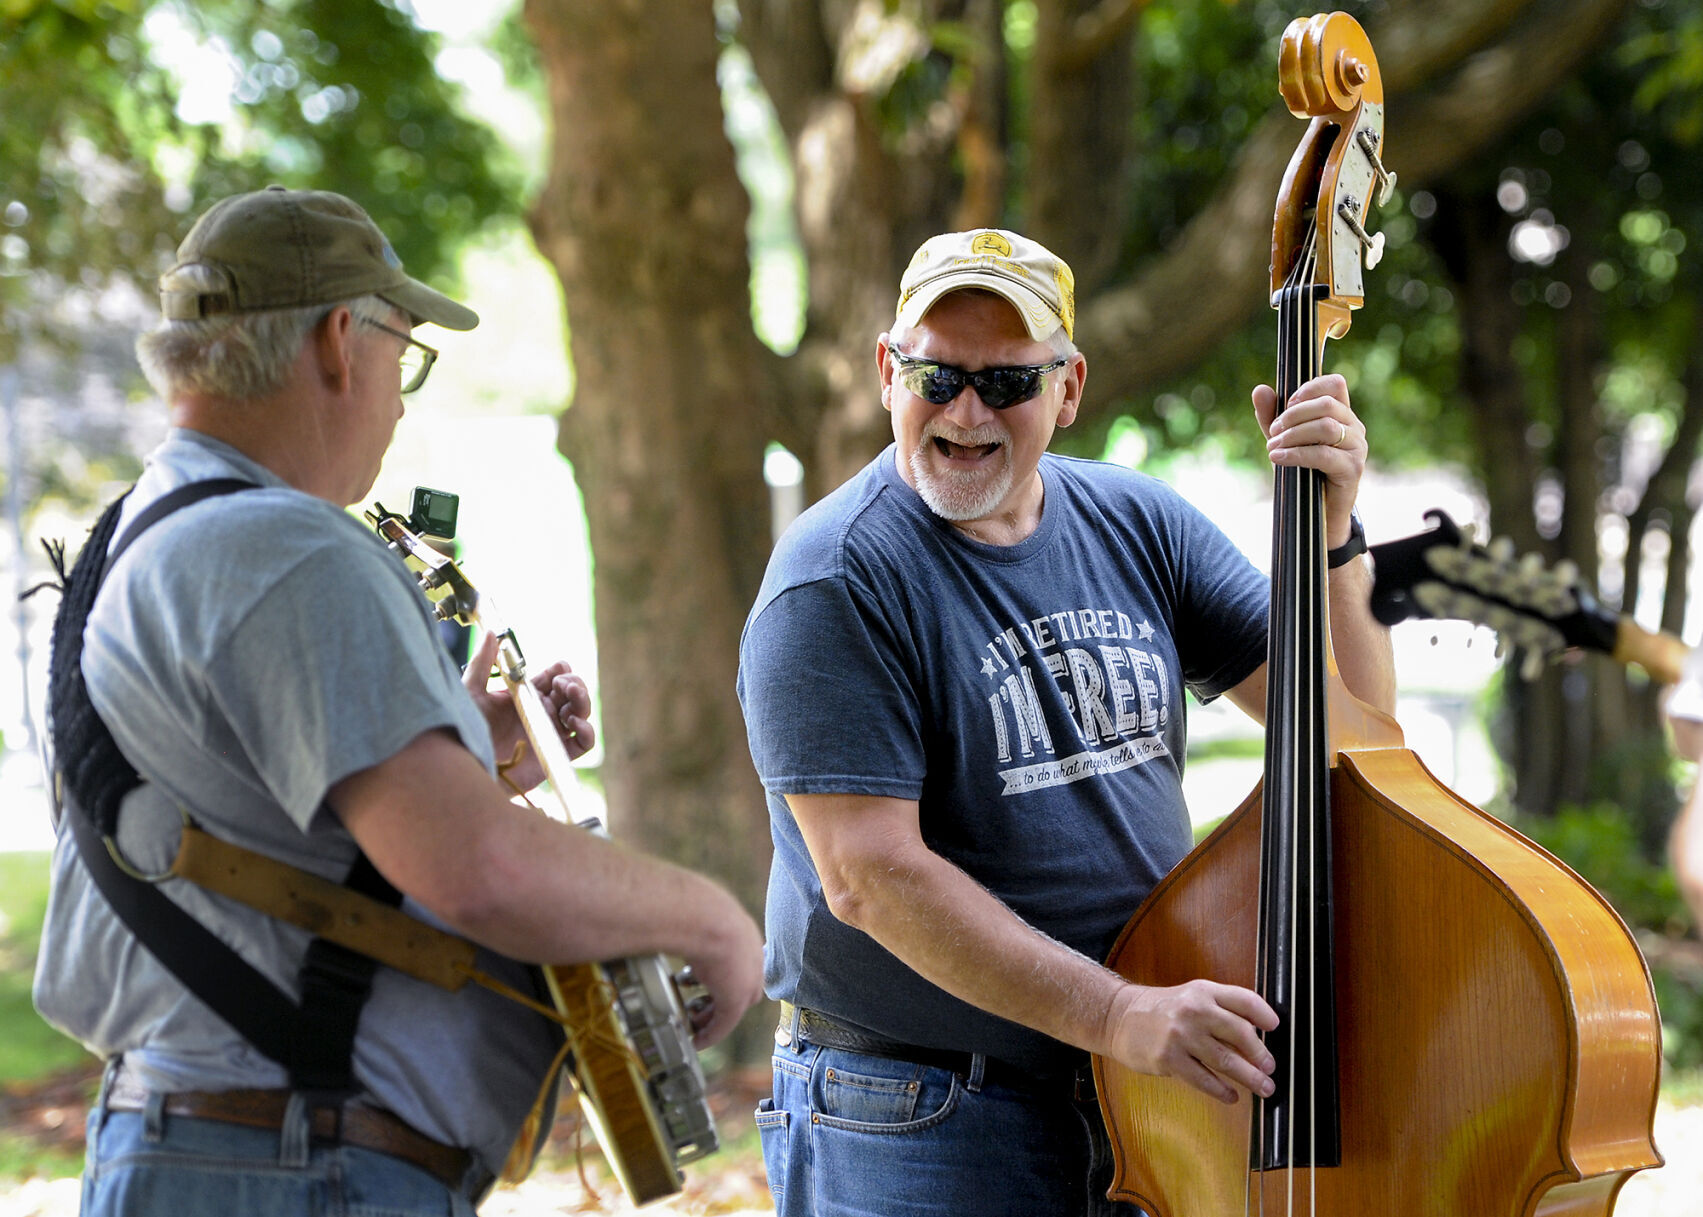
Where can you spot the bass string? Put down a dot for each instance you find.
(1310, 540)
(1305, 588)
(1298, 497)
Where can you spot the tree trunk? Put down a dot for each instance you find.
(1595, 720)
(643, 218)
(1471, 237)
(1080, 122)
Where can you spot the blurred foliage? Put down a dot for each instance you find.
(1207, 76)
(1680, 999)
(102, 172)
(29, 1048)
(1598, 163)
(1206, 79)
(125, 118)
(1600, 843)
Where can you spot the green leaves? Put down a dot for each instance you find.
(125, 119)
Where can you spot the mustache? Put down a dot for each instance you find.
(988, 433)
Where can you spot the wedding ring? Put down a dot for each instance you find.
(1343, 436)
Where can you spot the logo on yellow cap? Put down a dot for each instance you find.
(1066, 297)
(990, 243)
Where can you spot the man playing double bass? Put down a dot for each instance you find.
(963, 684)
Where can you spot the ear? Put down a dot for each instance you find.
(1075, 380)
(333, 347)
(884, 369)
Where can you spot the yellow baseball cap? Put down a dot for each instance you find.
(278, 248)
(1035, 280)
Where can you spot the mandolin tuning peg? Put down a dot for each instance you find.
(1566, 572)
(1531, 665)
(1501, 549)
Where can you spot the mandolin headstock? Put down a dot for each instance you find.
(1541, 609)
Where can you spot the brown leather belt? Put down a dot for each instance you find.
(351, 1124)
(817, 1028)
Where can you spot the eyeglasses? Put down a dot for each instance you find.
(999, 388)
(416, 359)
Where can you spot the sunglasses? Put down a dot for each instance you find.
(999, 388)
(416, 359)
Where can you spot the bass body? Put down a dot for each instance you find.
(1498, 1050)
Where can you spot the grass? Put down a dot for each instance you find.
(29, 1048)
(1683, 1087)
(25, 1158)
(31, 1052)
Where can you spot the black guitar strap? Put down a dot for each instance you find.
(313, 1039)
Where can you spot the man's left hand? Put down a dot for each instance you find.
(564, 694)
(1318, 430)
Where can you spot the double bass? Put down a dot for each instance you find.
(1467, 1027)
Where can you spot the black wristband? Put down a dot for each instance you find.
(1351, 548)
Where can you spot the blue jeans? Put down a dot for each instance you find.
(850, 1135)
(143, 1164)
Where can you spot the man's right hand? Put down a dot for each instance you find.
(1203, 1033)
(730, 967)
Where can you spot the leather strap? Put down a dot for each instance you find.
(229, 985)
(327, 909)
(349, 1124)
(1350, 549)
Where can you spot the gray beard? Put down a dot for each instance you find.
(958, 496)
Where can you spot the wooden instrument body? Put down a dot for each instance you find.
(614, 1084)
(1497, 1034)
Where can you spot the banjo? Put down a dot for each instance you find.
(633, 1064)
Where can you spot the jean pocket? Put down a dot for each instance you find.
(772, 1132)
(868, 1099)
(898, 1098)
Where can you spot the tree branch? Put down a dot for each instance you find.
(1098, 30)
(1177, 311)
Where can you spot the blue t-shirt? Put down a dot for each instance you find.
(1029, 697)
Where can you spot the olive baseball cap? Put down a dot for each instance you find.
(278, 248)
(1034, 279)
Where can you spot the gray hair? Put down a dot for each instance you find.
(238, 356)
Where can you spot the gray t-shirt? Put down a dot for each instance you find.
(1029, 697)
(247, 653)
